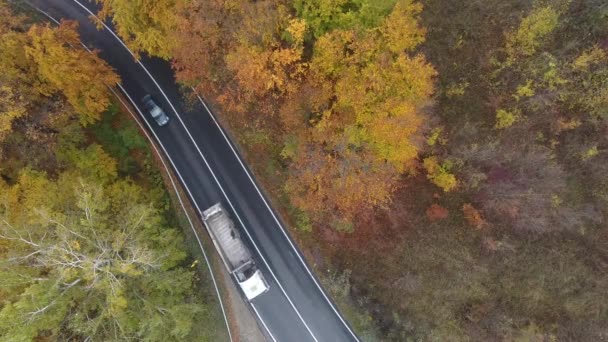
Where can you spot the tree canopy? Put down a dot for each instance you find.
(41, 61)
(91, 261)
(146, 26)
(369, 90)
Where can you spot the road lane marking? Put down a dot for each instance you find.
(43, 12)
(263, 323)
(208, 166)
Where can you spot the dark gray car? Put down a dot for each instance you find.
(157, 113)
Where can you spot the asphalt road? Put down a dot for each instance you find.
(295, 308)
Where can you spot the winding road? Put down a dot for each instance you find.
(296, 308)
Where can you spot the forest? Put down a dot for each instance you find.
(444, 160)
(90, 248)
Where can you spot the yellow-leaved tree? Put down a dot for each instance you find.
(145, 26)
(40, 61)
(63, 66)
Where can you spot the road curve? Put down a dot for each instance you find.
(295, 308)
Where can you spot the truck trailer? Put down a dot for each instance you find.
(236, 256)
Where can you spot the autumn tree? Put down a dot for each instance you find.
(531, 32)
(145, 26)
(198, 56)
(339, 186)
(91, 261)
(439, 173)
(18, 74)
(17, 69)
(368, 115)
(48, 60)
(62, 65)
(11, 108)
(326, 15)
(273, 69)
(435, 212)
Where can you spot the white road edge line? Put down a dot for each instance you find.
(258, 314)
(217, 291)
(210, 170)
(219, 297)
(275, 218)
(46, 15)
(263, 323)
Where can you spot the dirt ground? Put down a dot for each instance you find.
(248, 328)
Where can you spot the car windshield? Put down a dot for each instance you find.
(156, 111)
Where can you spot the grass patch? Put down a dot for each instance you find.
(120, 137)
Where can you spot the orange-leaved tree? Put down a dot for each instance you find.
(364, 117)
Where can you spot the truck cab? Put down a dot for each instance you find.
(252, 282)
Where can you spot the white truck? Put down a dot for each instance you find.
(234, 253)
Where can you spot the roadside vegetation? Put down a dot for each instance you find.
(446, 160)
(90, 245)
